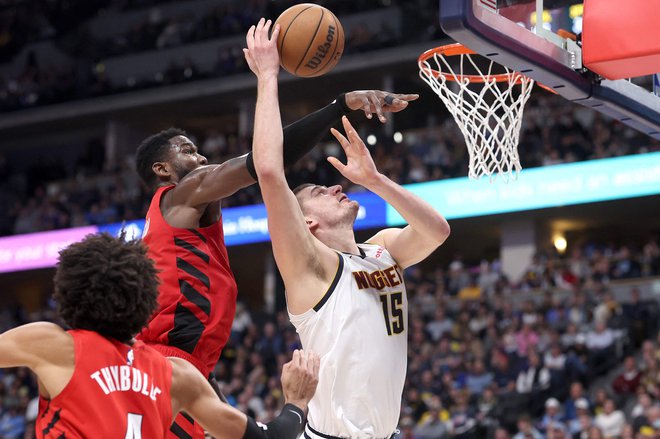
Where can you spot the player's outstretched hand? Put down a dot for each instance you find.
(300, 377)
(359, 167)
(261, 53)
(378, 102)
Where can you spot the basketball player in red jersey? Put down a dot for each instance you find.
(95, 381)
(183, 232)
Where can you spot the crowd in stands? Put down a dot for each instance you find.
(85, 76)
(486, 360)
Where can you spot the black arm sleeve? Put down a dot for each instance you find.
(303, 135)
(288, 425)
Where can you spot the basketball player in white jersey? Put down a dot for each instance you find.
(347, 300)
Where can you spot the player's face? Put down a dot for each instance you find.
(185, 158)
(328, 205)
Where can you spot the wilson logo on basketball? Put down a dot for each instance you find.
(322, 50)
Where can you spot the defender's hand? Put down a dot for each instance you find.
(378, 101)
(360, 167)
(261, 53)
(300, 377)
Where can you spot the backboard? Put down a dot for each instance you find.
(506, 32)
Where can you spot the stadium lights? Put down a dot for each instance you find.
(560, 243)
(398, 137)
(371, 139)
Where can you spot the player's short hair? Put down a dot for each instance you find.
(107, 285)
(154, 149)
(297, 190)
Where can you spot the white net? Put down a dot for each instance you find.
(488, 112)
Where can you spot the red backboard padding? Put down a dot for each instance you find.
(621, 38)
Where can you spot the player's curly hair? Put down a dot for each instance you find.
(154, 149)
(107, 285)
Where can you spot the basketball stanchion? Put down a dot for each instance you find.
(487, 106)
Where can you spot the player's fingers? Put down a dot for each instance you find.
(276, 33)
(295, 359)
(366, 106)
(264, 32)
(337, 164)
(258, 32)
(303, 361)
(397, 106)
(377, 107)
(249, 38)
(343, 141)
(405, 96)
(316, 361)
(351, 133)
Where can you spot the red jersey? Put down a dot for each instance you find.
(197, 293)
(116, 391)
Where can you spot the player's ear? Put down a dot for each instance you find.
(311, 223)
(161, 169)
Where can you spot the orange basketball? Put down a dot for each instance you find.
(311, 40)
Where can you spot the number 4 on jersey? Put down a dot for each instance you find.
(393, 312)
(134, 426)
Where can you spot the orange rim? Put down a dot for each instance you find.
(459, 49)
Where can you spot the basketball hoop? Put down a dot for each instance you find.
(489, 114)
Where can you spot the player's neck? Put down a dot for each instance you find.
(340, 240)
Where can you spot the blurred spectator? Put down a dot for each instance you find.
(648, 424)
(440, 325)
(576, 393)
(527, 338)
(555, 361)
(552, 416)
(12, 423)
(526, 430)
(584, 427)
(611, 421)
(636, 314)
(534, 382)
(432, 425)
(501, 433)
(595, 432)
(462, 420)
(644, 401)
(600, 341)
(582, 419)
(600, 398)
(626, 383)
(478, 379)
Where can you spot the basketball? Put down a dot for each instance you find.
(311, 40)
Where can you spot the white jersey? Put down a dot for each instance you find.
(360, 330)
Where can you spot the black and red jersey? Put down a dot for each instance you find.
(197, 294)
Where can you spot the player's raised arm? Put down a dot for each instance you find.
(426, 229)
(193, 394)
(300, 257)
